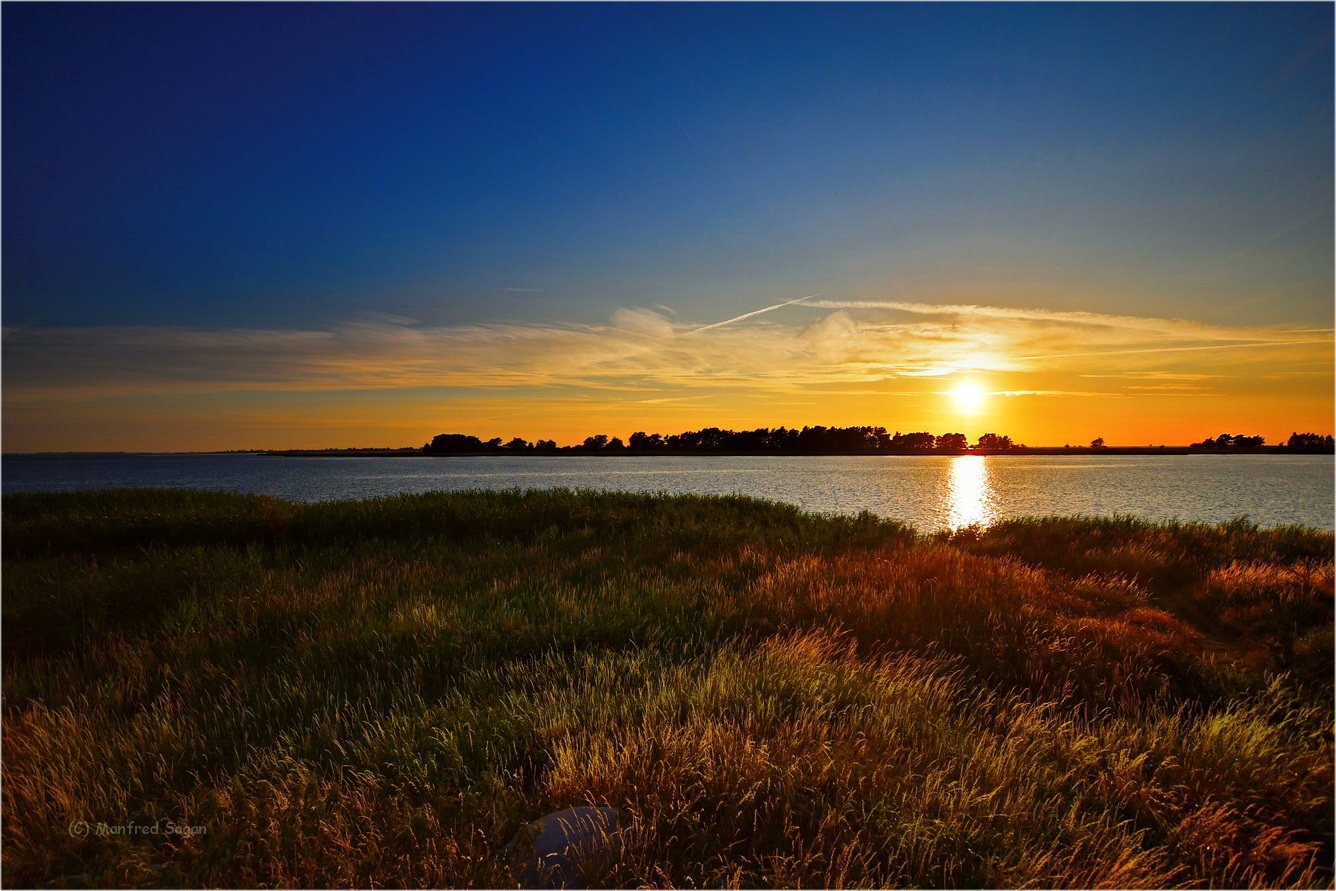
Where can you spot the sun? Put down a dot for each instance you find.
(968, 396)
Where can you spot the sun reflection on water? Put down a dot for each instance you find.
(971, 492)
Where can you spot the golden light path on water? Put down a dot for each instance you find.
(970, 494)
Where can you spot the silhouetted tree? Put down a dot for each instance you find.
(517, 445)
(1097, 442)
(616, 445)
(951, 442)
(1309, 442)
(446, 443)
(641, 442)
(993, 441)
(914, 441)
(596, 443)
(1229, 441)
(752, 440)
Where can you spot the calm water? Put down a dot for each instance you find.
(930, 492)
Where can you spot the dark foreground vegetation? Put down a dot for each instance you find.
(381, 693)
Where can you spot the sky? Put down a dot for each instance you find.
(308, 225)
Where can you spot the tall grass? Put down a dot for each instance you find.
(381, 693)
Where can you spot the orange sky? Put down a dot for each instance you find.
(1044, 377)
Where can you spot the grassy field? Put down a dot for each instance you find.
(381, 693)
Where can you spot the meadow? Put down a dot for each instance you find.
(381, 693)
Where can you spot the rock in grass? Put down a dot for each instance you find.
(555, 851)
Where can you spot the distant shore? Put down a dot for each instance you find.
(576, 451)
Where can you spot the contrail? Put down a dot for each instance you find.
(748, 315)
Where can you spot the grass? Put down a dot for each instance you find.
(381, 693)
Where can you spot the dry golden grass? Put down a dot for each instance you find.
(382, 693)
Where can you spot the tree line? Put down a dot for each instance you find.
(764, 440)
(1306, 442)
(807, 441)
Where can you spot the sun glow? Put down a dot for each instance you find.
(968, 396)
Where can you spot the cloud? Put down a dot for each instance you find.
(835, 337)
(854, 347)
(1156, 375)
(1179, 349)
(927, 371)
(673, 400)
(1100, 395)
(993, 338)
(1176, 328)
(643, 321)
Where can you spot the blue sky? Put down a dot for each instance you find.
(290, 166)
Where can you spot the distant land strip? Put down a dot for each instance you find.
(814, 441)
(635, 453)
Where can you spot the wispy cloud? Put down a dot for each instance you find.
(1178, 328)
(673, 400)
(1088, 393)
(1156, 375)
(852, 347)
(1180, 349)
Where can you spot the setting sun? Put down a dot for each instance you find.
(968, 396)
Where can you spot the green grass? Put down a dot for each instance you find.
(381, 693)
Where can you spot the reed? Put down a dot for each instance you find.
(382, 692)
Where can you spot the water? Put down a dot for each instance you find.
(932, 492)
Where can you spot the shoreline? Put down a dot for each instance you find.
(580, 452)
(574, 451)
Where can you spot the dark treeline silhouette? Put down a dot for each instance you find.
(1298, 442)
(1310, 442)
(812, 441)
(1226, 441)
(762, 441)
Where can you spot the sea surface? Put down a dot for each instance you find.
(931, 492)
